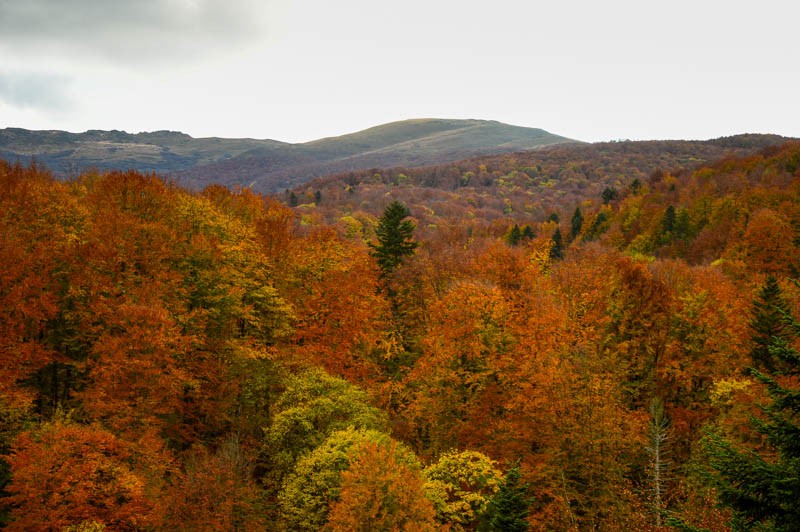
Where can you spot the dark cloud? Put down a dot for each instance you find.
(129, 30)
(40, 91)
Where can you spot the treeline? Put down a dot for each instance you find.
(218, 360)
(520, 186)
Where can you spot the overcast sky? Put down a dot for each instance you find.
(305, 69)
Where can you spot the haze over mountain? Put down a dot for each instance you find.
(269, 165)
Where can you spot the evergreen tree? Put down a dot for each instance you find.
(527, 233)
(395, 238)
(577, 223)
(557, 249)
(514, 235)
(609, 194)
(508, 509)
(668, 223)
(770, 312)
(764, 489)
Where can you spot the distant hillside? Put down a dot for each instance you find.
(517, 187)
(268, 165)
(160, 151)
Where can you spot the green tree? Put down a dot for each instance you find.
(508, 509)
(514, 235)
(763, 488)
(668, 223)
(395, 238)
(609, 194)
(557, 248)
(576, 223)
(527, 233)
(770, 312)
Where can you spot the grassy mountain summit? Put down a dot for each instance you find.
(269, 165)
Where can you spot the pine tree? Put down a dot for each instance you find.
(668, 222)
(764, 489)
(577, 223)
(395, 238)
(527, 233)
(609, 194)
(557, 249)
(769, 321)
(508, 509)
(514, 235)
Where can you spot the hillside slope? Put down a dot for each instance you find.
(268, 165)
(516, 187)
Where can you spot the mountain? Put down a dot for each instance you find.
(269, 165)
(160, 151)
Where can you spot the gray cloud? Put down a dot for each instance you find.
(138, 31)
(33, 90)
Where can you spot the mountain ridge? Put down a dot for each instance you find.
(264, 164)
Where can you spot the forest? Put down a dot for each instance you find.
(619, 355)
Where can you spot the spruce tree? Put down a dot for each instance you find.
(508, 509)
(668, 222)
(395, 238)
(577, 223)
(557, 248)
(770, 312)
(514, 235)
(763, 489)
(527, 233)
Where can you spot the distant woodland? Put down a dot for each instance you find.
(554, 340)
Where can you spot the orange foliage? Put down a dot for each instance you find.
(379, 492)
(66, 474)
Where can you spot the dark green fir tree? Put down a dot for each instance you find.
(763, 489)
(770, 312)
(557, 248)
(508, 509)
(576, 223)
(514, 235)
(395, 238)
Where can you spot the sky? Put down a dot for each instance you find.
(301, 70)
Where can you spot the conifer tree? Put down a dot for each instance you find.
(557, 249)
(527, 233)
(395, 238)
(770, 313)
(763, 489)
(577, 223)
(514, 235)
(508, 509)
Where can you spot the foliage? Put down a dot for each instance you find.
(508, 509)
(763, 487)
(316, 482)
(312, 407)
(461, 484)
(223, 359)
(66, 474)
(379, 492)
(395, 237)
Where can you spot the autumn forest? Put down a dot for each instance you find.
(599, 337)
